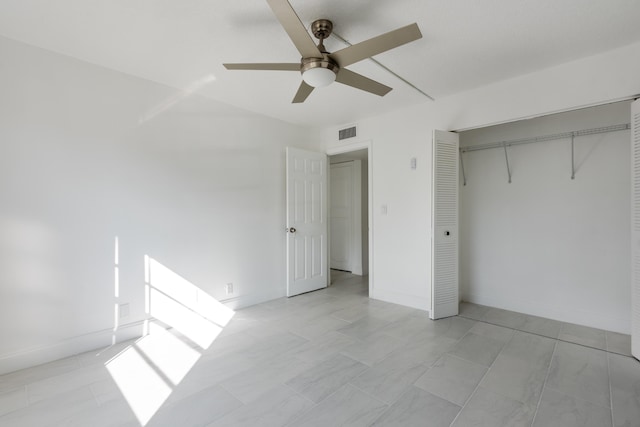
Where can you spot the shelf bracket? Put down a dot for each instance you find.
(573, 157)
(464, 175)
(506, 156)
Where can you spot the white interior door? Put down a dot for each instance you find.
(635, 229)
(444, 214)
(341, 216)
(306, 221)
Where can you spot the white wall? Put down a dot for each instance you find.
(88, 154)
(200, 187)
(401, 237)
(545, 244)
(402, 255)
(364, 212)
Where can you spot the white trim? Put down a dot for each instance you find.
(71, 346)
(243, 301)
(562, 314)
(356, 217)
(347, 148)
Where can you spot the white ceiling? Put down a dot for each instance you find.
(183, 43)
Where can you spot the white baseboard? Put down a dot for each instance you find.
(28, 358)
(402, 299)
(69, 347)
(243, 301)
(566, 314)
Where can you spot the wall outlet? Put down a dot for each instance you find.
(228, 288)
(123, 310)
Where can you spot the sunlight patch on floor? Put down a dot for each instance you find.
(183, 321)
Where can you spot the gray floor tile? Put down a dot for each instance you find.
(541, 326)
(352, 313)
(263, 350)
(207, 373)
(488, 409)
(625, 390)
(452, 379)
(478, 349)
(323, 347)
(52, 411)
(200, 409)
(106, 391)
(498, 333)
(276, 408)
(249, 384)
(348, 406)
(373, 348)
(69, 381)
(280, 363)
(580, 372)
(419, 408)
(236, 325)
(316, 326)
(393, 312)
(520, 370)
(472, 311)
(13, 400)
(618, 343)
(100, 356)
(533, 349)
(451, 327)
(389, 379)
(509, 319)
(408, 326)
(111, 414)
(424, 350)
(23, 377)
(583, 335)
(361, 329)
(322, 380)
(561, 410)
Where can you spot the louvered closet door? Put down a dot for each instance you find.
(444, 214)
(635, 229)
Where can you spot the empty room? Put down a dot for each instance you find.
(319, 213)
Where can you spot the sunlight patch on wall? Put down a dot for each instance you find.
(172, 100)
(183, 321)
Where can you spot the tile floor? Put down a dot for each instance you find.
(335, 357)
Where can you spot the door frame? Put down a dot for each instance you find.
(347, 148)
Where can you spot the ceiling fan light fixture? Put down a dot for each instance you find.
(319, 77)
(318, 72)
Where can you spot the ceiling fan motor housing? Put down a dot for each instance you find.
(319, 72)
(321, 28)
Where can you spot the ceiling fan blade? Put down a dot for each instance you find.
(303, 92)
(264, 66)
(293, 26)
(349, 78)
(374, 46)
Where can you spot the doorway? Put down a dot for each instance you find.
(350, 214)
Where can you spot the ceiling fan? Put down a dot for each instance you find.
(320, 68)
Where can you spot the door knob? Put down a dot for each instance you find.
(290, 230)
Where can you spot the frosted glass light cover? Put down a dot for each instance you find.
(319, 77)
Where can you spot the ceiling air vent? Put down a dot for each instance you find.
(346, 133)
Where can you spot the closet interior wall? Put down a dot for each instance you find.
(546, 244)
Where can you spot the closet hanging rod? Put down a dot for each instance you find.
(553, 137)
